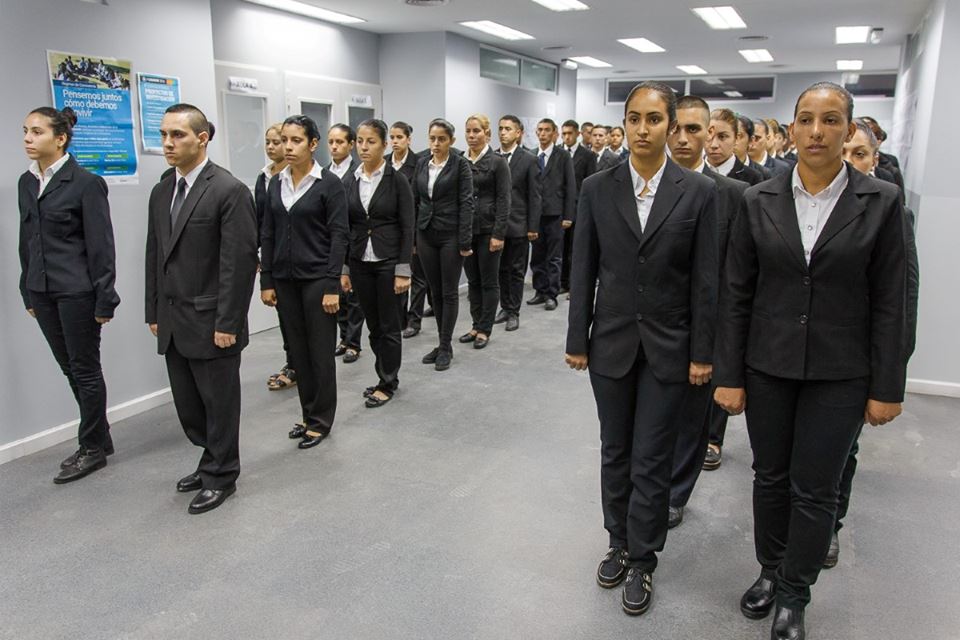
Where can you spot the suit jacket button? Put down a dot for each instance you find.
(806, 281)
(370, 232)
(803, 319)
(170, 301)
(642, 260)
(640, 289)
(640, 316)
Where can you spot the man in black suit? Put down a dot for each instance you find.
(584, 164)
(648, 234)
(201, 263)
(760, 145)
(558, 191)
(700, 415)
(605, 158)
(523, 224)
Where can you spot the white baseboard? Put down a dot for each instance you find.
(934, 388)
(68, 431)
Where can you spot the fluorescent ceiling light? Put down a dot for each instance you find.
(733, 94)
(496, 29)
(849, 65)
(756, 55)
(309, 10)
(713, 81)
(852, 35)
(642, 45)
(590, 61)
(721, 17)
(692, 69)
(563, 5)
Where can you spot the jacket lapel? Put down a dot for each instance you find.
(381, 187)
(626, 200)
(64, 175)
(666, 198)
(779, 206)
(200, 185)
(848, 207)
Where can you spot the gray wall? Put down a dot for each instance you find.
(413, 77)
(33, 393)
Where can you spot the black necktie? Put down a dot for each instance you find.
(542, 161)
(178, 202)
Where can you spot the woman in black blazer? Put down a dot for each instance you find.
(491, 197)
(67, 262)
(380, 206)
(720, 148)
(811, 341)
(304, 241)
(444, 195)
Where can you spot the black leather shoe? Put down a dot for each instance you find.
(86, 462)
(374, 402)
(209, 499)
(189, 483)
(429, 313)
(310, 441)
(443, 361)
(833, 553)
(340, 350)
(71, 459)
(480, 343)
(411, 332)
(431, 357)
(713, 458)
(550, 304)
(788, 624)
(675, 517)
(537, 299)
(369, 391)
(467, 337)
(513, 323)
(351, 356)
(501, 317)
(297, 431)
(612, 568)
(759, 599)
(637, 592)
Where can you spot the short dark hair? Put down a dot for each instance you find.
(587, 124)
(828, 86)
(198, 121)
(600, 126)
(403, 126)
(307, 124)
(783, 130)
(443, 124)
(746, 123)
(62, 121)
(514, 119)
(548, 121)
(756, 123)
(620, 129)
(571, 123)
(379, 126)
(347, 129)
(666, 94)
(878, 132)
(693, 102)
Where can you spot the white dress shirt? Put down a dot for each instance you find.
(341, 169)
(367, 186)
(645, 201)
(48, 173)
(545, 152)
(813, 211)
(482, 153)
(508, 153)
(268, 171)
(398, 162)
(290, 194)
(763, 161)
(727, 166)
(433, 172)
(190, 178)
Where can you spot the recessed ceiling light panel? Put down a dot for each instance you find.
(849, 65)
(309, 10)
(590, 61)
(642, 45)
(756, 55)
(852, 35)
(692, 69)
(496, 29)
(562, 5)
(720, 17)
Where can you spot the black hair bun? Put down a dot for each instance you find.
(70, 115)
(211, 129)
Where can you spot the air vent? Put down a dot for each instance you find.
(753, 38)
(778, 66)
(559, 47)
(426, 3)
(626, 71)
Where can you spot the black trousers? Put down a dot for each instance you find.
(374, 284)
(567, 258)
(513, 268)
(801, 433)
(442, 263)
(206, 394)
(846, 482)
(313, 337)
(693, 432)
(67, 322)
(283, 335)
(547, 256)
(483, 283)
(718, 427)
(350, 320)
(411, 302)
(638, 432)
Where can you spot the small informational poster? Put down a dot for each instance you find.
(156, 94)
(98, 90)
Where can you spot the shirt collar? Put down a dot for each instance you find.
(547, 151)
(316, 171)
(194, 173)
(398, 161)
(483, 152)
(699, 167)
(836, 186)
(267, 170)
(639, 183)
(433, 161)
(378, 173)
(342, 165)
(504, 152)
(725, 167)
(51, 170)
(763, 160)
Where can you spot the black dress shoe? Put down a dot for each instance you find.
(788, 624)
(550, 304)
(467, 337)
(209, 499)
(513, 323)
(429, 312)
(189, 483)
(713, 458)
(340, 350)
(70, 460)
(637, 592)
(537, 299)
(612, 568)
(443, 361)
(833, 553)
(759, 599)
(374, 402)
(501, 317)
(369, 391)
(351, 356)
(410, 332)
(431, 358)
(86, 462)
(309, 441)
(297, 431)
(480, 343)
(675, 517)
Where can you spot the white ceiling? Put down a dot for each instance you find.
(800, 32)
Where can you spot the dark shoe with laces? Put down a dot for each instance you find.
(788, 624)
(675, 517)
(443, 361)
(759, 599)
(550, 304)
(612, 568)
(86, 462)
(833, 553)
(431, 358)
(637, 592)
(71, 459)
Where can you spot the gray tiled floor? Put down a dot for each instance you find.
(467, 508)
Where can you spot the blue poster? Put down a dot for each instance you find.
(98, 90)
(156, 94)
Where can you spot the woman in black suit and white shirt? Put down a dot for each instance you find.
(812, 332)
(444, 194)
(380, 206)
(68, 269)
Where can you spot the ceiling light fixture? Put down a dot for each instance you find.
(713, 81)
(590, 61)
(562, 5)
(567, 63)
(642, 45)
(309, 10)
(852, 35)
(756, 55)
(496, 29)
(720, 17)
(733, 94)
(849, 65)
(692, 69)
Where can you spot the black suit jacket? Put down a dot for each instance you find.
(558, 185)
(66, 237)
(409, 167)
(608, 160)
(584, 164)
(765, 173)
(776, 166)
(729, 200)
(387, 222)
(525, 203)
(451, 208)
(491, 195)
(744, 173)
(200, 274)
(841, 317)
(658, 286)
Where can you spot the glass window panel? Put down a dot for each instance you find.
(320, 113)
(496, 65)
(618, 90)
(535, 75)
(245, 128)
(752, 88)
(883, 85)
